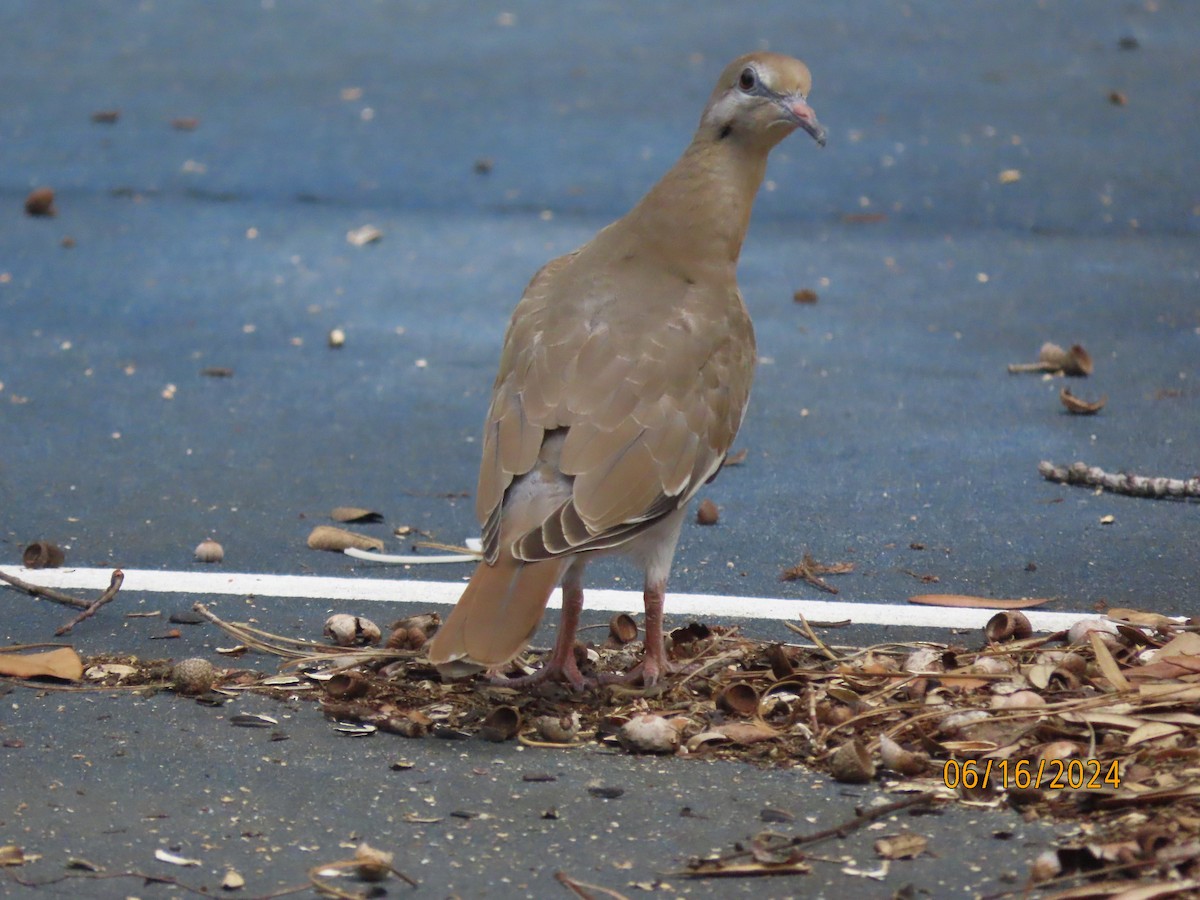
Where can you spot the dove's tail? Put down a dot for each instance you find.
(496, 616)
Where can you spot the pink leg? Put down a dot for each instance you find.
(654, 663)
(561, 666)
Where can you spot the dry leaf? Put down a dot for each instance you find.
(1186, 644)
(970, 602)
(1144, 619)
(12, 855)
(1108, 665)
(326, 537)
(1151, 731)
(63, 663)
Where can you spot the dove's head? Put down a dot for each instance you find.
(762, 97)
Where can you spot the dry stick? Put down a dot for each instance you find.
(147, 879)
(584, 890)
(1121, 482)
(34, 590)
(114, 585)
(860, 820)
(807, 631)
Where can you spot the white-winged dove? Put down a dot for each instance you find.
(623, 381)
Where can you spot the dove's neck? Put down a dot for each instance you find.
(700, 210)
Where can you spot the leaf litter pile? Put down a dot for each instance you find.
(1097, 726)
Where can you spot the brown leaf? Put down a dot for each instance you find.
(1151, 731)
(326, 537)
(62, 663)
(970, 602)
(12, 855)
(1186, 644)
(1108, 665)
(1144, 619)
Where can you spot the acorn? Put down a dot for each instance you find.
(193, 676)
(40, 202)
(708, 514)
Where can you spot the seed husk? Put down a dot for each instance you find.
(501, 724)
(43, 555)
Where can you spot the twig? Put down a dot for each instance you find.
(861, 819)
(146, 878)
(34, 590)
(584, 890)
(250, 636)
(1121, 482)
(807, 631)
(114, 585)
(809, 570)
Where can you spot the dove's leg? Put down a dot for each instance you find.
(561, 666)
(654, 664)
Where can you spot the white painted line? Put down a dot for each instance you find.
(445, 593)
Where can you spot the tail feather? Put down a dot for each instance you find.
(496, 615)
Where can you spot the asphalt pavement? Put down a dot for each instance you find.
(997, 176)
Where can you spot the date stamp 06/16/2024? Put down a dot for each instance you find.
(1047, 774)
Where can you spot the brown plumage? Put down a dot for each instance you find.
(623, 381)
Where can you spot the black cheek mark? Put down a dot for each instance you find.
(725, 132)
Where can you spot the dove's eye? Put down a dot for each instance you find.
(748, 80)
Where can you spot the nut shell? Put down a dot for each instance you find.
(1009, 625)
(649, 733)
(209, 551)
(346, 630)
(852, 764)
(43, 555)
